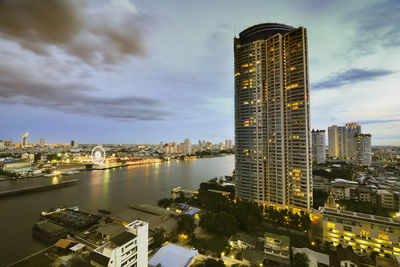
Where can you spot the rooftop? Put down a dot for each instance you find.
(173, 255)
(122, 238)
(362, 216)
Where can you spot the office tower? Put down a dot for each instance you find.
(1, 144)
(336, 141)
(187, 147)
(129, 248)
(272, 125)
(25, 139)
(318, 146)
(228, 143)
(352, 130)
(74, 144)
(42, 142)
(363, 149)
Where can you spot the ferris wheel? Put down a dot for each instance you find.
(98, 155)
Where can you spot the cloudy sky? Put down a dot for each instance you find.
(145, 71)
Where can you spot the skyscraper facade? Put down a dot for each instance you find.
(342, 140)
(25, 139)
(352, 130)
(336, 141)
(363, 149)
(228, 143)
(272, 125)
(42, 142)
(187, 147)
(318, 146)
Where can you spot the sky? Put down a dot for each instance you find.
(145, 71)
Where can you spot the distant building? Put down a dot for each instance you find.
(74, 144)
(228, 143)
(42, 142)
(343, 140)
(336, 141)
(25, 139)
(129, 248)
(352, 130)
(363, 149)
(318, 146)
(1, 144)
(187, 147)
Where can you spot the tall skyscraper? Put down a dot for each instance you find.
(228, 143)
(42, 142)
(336, 141)
(25, 139)
(74, 144)
(363, 149)
(272, 125)
(187, 147)
(318, 146)
(342, 140)
(352, 130)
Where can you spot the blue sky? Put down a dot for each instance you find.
(146, 71)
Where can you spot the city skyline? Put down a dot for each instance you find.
(170, 73)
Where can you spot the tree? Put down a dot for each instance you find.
(211, 263)
(300, 260)
(158, 237)
(165, 202)
(186, 224)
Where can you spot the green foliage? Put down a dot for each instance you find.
(300, 260)
(8, 174)
(365, 207)
(211, 263)
(158, 237)
(285, 217)
(336, 172)
(319, 198)
(221, 223)
(165, 202)
(216, 244)
(186, 224)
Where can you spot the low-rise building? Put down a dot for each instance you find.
(277, 246)
(243, 241)
(129, 248)
(365, 233)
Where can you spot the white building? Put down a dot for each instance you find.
(228, 143)
(42, 142)
(25, 139)
(187, 147)
(130, 248)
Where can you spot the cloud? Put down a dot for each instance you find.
(93, 35)
(378, 121)
(375, 25)
(22, 87)
(350, 76)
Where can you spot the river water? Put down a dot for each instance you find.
(111, 189)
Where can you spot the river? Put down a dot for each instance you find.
(111, 189)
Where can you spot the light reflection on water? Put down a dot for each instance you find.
(111, 189)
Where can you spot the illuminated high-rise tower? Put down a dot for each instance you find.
(272, 124)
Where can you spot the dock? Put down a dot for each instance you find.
(38, 188)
